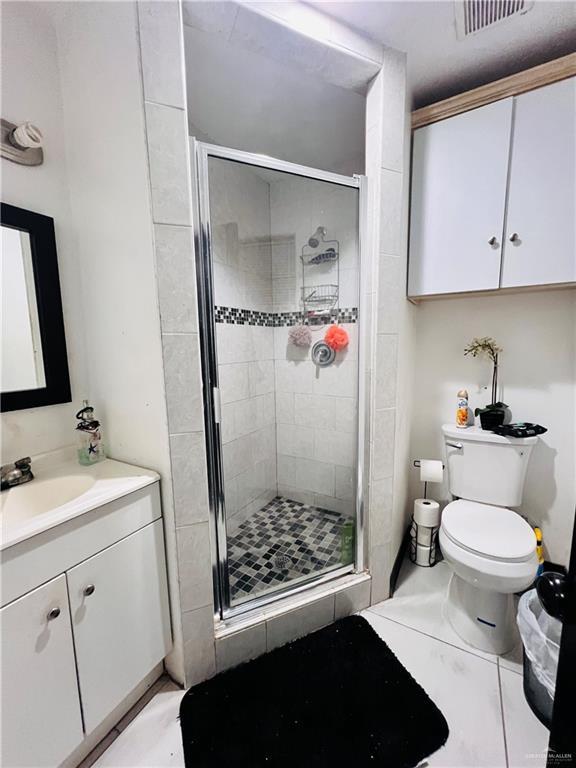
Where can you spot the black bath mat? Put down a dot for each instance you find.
(338, 697)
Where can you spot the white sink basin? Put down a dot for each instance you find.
(42, 495)
(63, 489)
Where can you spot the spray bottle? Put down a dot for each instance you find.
(462, 409)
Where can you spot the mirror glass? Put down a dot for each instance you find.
(21, 364)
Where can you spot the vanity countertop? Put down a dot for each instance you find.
(63, 489)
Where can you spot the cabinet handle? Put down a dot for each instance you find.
(514, 238)
(493, 241)
(53, 614)
(89, 590)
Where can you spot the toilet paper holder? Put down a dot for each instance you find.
(430, 552)
(417, 464)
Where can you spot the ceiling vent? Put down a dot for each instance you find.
(473, 16)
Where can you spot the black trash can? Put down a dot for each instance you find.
(537, 696)
(540, 634)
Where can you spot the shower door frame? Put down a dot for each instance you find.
(200, 152)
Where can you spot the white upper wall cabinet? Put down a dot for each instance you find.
(540, 242)
(459, 171)
(503, 174)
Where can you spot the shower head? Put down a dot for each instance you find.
(317, 237)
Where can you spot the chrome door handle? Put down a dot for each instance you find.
(458, 446)
(53, 614)
(515, 238)
(493, 242)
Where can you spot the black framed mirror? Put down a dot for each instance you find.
(34, 363)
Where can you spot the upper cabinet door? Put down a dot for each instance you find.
(459, 176)
(540, 243)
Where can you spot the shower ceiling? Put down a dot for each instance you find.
(240, 98)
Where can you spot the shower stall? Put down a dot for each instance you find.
(278, 257)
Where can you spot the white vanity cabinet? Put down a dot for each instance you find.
(76, 649)
(41, 718)
(493, 201)
(120, 619)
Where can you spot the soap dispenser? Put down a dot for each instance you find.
(91, 445)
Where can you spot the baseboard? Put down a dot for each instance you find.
(93, 739)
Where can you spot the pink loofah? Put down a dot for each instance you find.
(336, 338)
(300, 336)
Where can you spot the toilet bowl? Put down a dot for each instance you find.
(490, 548)
(492, 552)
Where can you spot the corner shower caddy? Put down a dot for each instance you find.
(318, 299)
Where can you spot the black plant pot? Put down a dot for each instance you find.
(492, 418)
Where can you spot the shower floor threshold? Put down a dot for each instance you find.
(282, 544)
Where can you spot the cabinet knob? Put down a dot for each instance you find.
(515, 238)
(493, 241)
(89, 590)
(53, 614)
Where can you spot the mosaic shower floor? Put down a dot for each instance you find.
(283, 541)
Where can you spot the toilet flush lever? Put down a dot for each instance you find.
(458, 446)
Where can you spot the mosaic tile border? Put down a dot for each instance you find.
(235, 316)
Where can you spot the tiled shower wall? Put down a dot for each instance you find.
(316, 408)
(287, 426)
(390, 331)
(240, 221)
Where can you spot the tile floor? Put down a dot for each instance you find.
(282, 542)
(480, 695)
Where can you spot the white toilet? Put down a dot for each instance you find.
(491, 549)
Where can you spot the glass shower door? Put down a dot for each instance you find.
(281, 297)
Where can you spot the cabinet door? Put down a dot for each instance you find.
(540, 242)
(120, 619)
(459, 173)
(41, 717)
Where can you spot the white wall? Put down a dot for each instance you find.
(111, 207)
(31, 91)
(537, 380)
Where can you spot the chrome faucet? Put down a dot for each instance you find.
(16, 474)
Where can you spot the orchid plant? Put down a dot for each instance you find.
(487, 347)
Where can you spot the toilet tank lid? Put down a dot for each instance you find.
(493, 531)
(476, 434)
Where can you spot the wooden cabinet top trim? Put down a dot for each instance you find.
(544, 74)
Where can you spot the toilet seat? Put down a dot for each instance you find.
(496, 533)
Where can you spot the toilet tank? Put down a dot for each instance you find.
(486, 467)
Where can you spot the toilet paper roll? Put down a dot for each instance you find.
(427, 513)
(431, 471)
(423, 555)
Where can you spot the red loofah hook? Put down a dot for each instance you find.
(336, 337)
